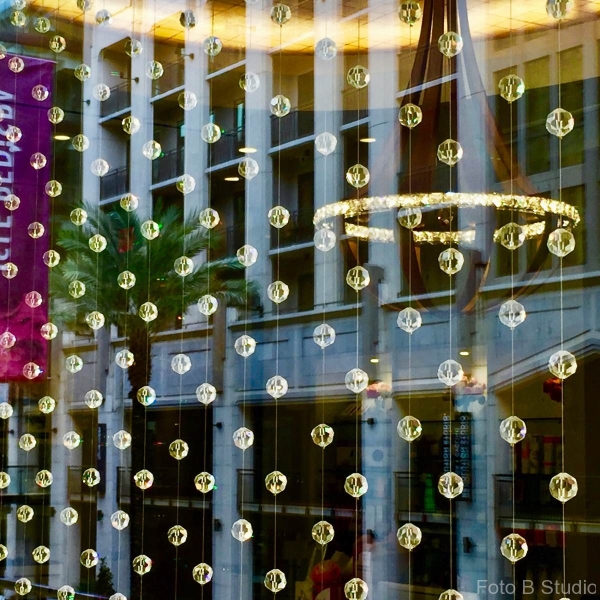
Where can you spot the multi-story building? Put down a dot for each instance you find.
(460, 99)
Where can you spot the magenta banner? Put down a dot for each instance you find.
(23, 104)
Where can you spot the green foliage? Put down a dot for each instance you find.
(104, 581)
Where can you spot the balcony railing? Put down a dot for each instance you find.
(297, 124)
(354, 106)
(168, 166)
(172, 78)
(22, 481)
(114, 183)
(299, 230)
(119, 99)
(227, 148)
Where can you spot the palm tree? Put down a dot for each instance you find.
(152, 263)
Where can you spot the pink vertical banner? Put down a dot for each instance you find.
(21, 109)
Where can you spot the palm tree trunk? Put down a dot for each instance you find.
(139, 375)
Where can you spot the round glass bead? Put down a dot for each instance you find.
(248, 168)
(187, 100)
(31, 370)
(511, 236)
(36, 230)
(16, 64)
(146, 395)
(275, 580)
(358, 278)
(450, 485)
(511, 87)
(450, 372)
(124, 358)
(22, 586)
(7, 340)
(103, 17)
(46, 404)
(38, 161)
(25, 513)
(3, 51)
(358, 176)
(281, 14)
(409, 319)
(358, 77)
(91, 477)
(212, 46)
(186, 184)
(206, 393)
(6, 410)
(243, 438)
(143, 479)
(73, 363)
(514, 547)
(449, 152)
(208, 305)
(409, 536)
(78, 216)
(450, 44)
(150, 229)
(44, 478)
(53, 188)
(49, 331)
(245, 345)
(513, 430)
(278, 292)
(280, 106)
(210, 133)
(69, 516)
(27, 442)
(178, 449)
(71, 440)
(560, 122)
(204, 482)
(126, 280)
(129, 202)
(119, 520)
(356, 485)
(249, 82)
(133, 48)
(122, 439)
(278, 216)
(275, 482)
(177, 535)
(4, 480)
(66, 592)
(241, 530)
(410, 115)
(41, 554)
(57, 44)
(83, 72)
(562, 364)
(42, 25)
(409, 428)
(451, 595)
(356, 589)
(322, 532)
(202, 573)
(325, 143)
(181, 364)
(77, 288)
(512, 313)
(324, 239)
(131, 125)
(277, 386)
(10, 270)
(99, 167)
(151, 149)
(89, 558)
(409, 12)
(324, 335)
(322, 435)
(3, 552)
(13, 133)
(95, 320)
(148, 312)
(101, 92)
(356, 380)
(187, 19)
(12, 202)
(561, 242)
(94, 399)
(563, 487)
(39, 93)
(154, 70)
(209, 218)
(56, 115)
(142, 564)
(558, 9)
(326, 49)
(451, 261)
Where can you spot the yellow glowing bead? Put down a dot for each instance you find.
(144, 479)
(356, 485)
(409, 536)
(177, 535)
(275, 580)
(514, 547)
(276, 482)
(89, 558)
(204, 482)
(450, 485)
(563, 487)
(142, 564)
